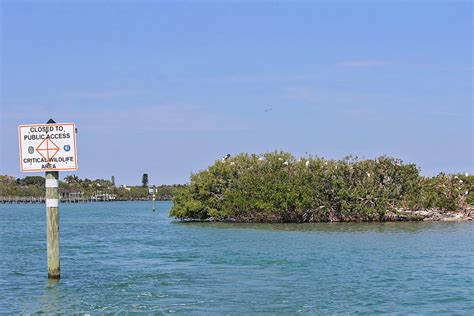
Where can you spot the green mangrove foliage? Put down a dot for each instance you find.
(275, 187)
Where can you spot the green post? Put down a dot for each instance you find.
(52, 223)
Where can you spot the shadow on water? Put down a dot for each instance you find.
(376, 227)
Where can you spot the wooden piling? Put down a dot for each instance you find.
(52, 223)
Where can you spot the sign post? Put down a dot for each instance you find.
(52, 224)
(152, 191)
(49, 148)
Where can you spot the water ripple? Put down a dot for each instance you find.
(122, 258)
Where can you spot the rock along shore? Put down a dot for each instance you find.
(433, 215)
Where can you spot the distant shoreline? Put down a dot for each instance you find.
(41, 200)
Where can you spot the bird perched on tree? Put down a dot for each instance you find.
(286, 163)
(307, 163)
(226, 157)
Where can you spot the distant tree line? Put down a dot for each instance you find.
(276, 187)
(34, 186)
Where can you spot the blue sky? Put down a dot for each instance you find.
(166, 88)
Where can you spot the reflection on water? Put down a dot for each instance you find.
(52, 283)
(50, 300)
(392, 227)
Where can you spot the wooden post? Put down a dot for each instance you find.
(52, 223)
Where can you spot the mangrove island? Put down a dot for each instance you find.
(277, 187)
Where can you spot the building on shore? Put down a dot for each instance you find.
(71, 195)
(103, 196)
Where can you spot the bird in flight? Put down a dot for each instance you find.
(268, 110)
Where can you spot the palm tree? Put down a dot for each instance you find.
(72, 179)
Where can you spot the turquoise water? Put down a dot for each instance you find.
(121, 257)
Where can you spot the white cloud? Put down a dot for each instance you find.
(300, 93)
(105, 94)
(147, 118)
(364, 63)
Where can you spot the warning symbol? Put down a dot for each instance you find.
(47, 149)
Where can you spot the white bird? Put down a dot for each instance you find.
(466, 174)
(286, 163)
(279, 158)
(368, 174)
(307, 163)
(261, 158)
(226, 157)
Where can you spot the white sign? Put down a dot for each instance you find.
(47, 147)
